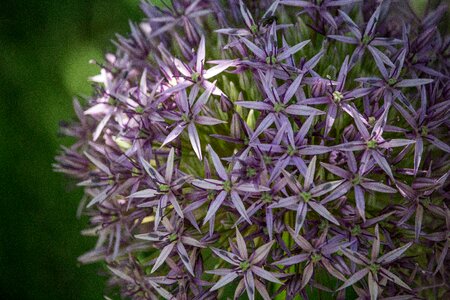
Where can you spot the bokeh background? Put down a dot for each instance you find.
(45, 46)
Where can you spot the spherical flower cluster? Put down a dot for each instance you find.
(275, 149)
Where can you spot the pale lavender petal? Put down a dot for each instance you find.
(255, 49)
(292, 260)
(224, 280)
(382, 162)
(239, 206)
(216, 70)
(394, 254)
(169, 166)
(215, 205)
(184, 256)
(200, 54)
(220, 169)
(344, 39)
(291, 51)
(249, 285)
(255, 105)
(242, 247)
(337, 170)
(377, 186)
(360, 202)
(413, 82)
(174, 133)
(265, 274)
(321, 210)
(195, 140)
(302, 110)
(165, 252)
(354, 278)
(203, 120)
(396, 143)
(438, 143)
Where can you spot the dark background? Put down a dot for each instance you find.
(45, 46)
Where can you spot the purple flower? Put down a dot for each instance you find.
(327, 168)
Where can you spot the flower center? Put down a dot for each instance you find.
(356, 230)
(366, 40)
(250, 172)
(291, 150)
(316, 257)
(254, 28)
(356, 180)
(372, 144)
(271, 60)
(195, 76)
(185, 118)
(139, 109)
(374, 268)
(266, 198)
(173, 237)
(424, 130)
(227, 186)
(267, 159)
(279, 107)
(306, 196)
(337, 96)
(244, 265)
(372, 120)
(392, 81)
(163, 188)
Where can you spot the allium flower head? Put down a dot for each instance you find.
(276, 149)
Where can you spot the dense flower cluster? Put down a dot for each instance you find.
(273, 149)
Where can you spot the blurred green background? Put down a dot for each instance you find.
(45, 46)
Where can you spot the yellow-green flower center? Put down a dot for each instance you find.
(337, 96)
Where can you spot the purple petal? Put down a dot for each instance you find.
(354, 278)
(261, 253)
(377, 186)
(174, 133)
(360, 202)
(220, 169)
(309, 177)
(185, 257)
(242, 247)
(292, 88)
(216, 70)
(224, 280)
(215, 205)
(291, 51)
(201, 54)
(249, 285)
(165, 252)
(265, 274)
(413, 82)
(292, 260)
(203, 120)
(302, 110)
(255, 105)
(396, 143)
(344, 39)
(321, 210)
(394, 254)
(382, 162)
(438, 143)
(326, 187)
(239, 206)
(337, 171)
(195, 140)
(255, 49)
